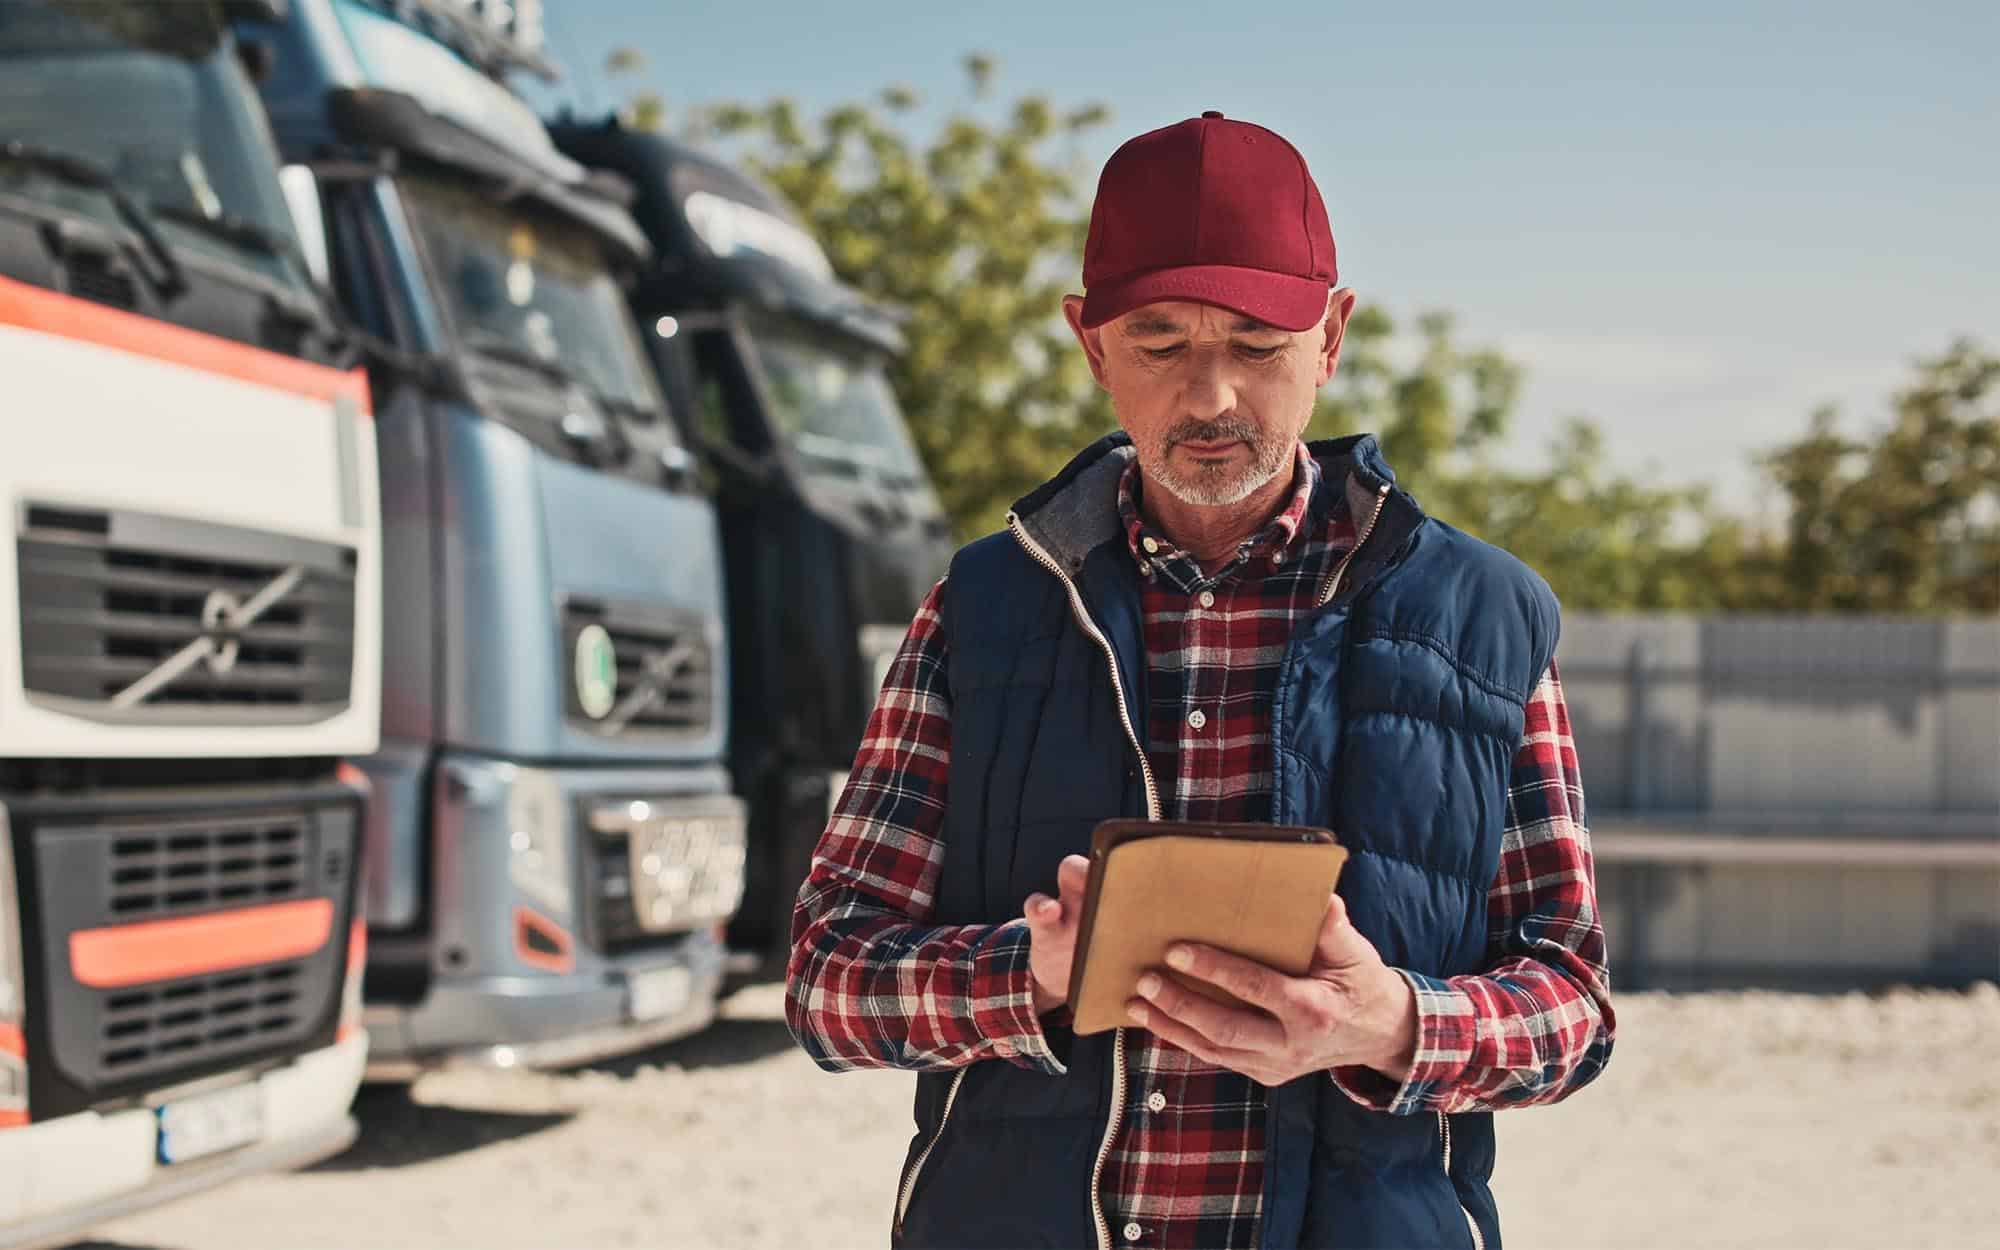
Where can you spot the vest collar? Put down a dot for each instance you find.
(1076, 511)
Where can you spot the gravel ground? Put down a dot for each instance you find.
(1724, 1120)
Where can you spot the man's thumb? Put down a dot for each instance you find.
(1340, 942)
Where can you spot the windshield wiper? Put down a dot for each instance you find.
(497, 348)
(84, 172)
(493, 347)
(238, 230)
(620, 403)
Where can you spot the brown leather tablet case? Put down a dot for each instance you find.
(1257, 890)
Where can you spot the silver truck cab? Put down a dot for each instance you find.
(554, 842)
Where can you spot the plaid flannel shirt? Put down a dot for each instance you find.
(873, 983)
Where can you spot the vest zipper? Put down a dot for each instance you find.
(917, 1165)
(1089, 627)
(1117, 1119)
(1444, 1132)
(1340, 570)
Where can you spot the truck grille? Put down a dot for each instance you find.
(661, 868)
(101, 865)
(146, 1031)
(665, 684)
(132, 617)
(234, 863)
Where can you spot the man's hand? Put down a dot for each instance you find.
(1348, 1009)
(1052, 926)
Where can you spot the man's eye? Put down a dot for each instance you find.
(1260, 353)
(1160, 353)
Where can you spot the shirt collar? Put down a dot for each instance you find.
(1275, 536)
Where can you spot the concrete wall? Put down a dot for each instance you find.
(1791, 801)
(1813, 719)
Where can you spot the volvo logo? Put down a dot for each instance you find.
(217, 611)
(655, 671)
(223, 618)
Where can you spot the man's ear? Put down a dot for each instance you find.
(1339, 307)
(1092, 340)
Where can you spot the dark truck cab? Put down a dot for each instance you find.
(832, 533)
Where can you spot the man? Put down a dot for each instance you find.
(1203, 618)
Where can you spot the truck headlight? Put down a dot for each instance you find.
(538, 840)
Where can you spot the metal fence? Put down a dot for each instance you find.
(1791, 800)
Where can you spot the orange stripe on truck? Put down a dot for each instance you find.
(13, 1043)
(65, 316)
(160, 950)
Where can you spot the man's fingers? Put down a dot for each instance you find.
(1072, 877)
(1042, 911)
(1231, 1028)
(1340, 943)
(1249, 980)
(1174, 1033)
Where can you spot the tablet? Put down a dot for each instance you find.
(1259, 891)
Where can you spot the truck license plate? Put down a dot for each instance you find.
(660, 993)
(207, 1124)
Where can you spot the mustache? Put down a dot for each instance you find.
(1219, 430)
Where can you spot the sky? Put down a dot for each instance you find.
(1693, 223)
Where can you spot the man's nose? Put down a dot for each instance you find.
(1210, 392)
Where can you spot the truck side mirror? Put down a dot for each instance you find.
(301, 188)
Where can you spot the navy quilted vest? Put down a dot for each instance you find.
(1399, 707)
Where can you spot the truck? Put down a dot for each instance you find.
(832, 532)
(554, 843)
(189, 631)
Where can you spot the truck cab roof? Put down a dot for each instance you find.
(721, 236)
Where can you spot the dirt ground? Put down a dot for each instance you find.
(1724, 1120)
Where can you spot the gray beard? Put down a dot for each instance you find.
(1221, 486)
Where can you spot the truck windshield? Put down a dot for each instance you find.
(530, 286)
(836, 408)
(152, 94)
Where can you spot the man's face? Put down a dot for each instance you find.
(1213, 400)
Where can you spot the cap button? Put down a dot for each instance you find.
(1212, 113)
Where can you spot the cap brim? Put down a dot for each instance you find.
(1283, 300)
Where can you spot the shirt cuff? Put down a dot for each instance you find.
(1444, 1047)
(1003, 1001)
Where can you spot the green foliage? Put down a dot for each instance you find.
(1908, 521)
(1603, 540)
(645, 109)
(974, 234)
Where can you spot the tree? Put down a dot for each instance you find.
(974, 235)
(1907, 522)
(645, 108)
(1603, 540)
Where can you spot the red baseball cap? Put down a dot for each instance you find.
(1211, 210)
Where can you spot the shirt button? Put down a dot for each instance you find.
(1150, 545)
(1197, 718)
(1132, 1232)
(1156, 1101)
(1277, 558)
(1145, 568)
(1206, 599)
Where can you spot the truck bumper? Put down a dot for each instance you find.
(519, 1022)
(573, 916)
(61, 1177)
